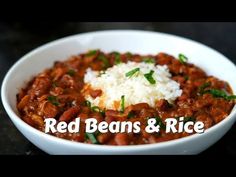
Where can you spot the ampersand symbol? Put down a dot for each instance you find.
(152, 127)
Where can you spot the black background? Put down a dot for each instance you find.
(16, 39)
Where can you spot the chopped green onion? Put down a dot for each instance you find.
(130, 115)
(97, 133)
(220, 94)
(231, 97)
(122, 103)
(160, 123)
(128, 54)
(92, 138)
(187, 119)
(105, 61)
(115, 53)
(149, 77)
(53, 100)
(149, 60)
(216, 93)
(132, 72)
(186, 78)
(87, 103)
(71, 72)
(203, 86)
(117, 58)
(183, 59)
(95, 109)
(103, 112)
(91, 53)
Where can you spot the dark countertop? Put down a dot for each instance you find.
(16, 39)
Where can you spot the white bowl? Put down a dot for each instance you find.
(141, 42)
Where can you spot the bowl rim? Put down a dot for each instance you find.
(17, 120)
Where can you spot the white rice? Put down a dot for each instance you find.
(136, 89)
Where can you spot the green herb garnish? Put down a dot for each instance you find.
(187, 119)
(91, 53)
(128, 54)
(149, 77)
(220, 94)
(105, 61)
(92, 138)
(117, 58)
(131, 114)
(183, 59)
(186, 78)
(215, 92)
(149, 60)
(231, 97)
(71, 72)
(103, 112)
(53, 100)
(203, 86)
(95, 109)
(122, 104)
(99, 110)
(132, 72)
(160, 123)
(96, 133)
(87, 103)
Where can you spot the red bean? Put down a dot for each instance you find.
(95, 93)
(70, 114)
(104, 137)
(121, 139)
(162, 105)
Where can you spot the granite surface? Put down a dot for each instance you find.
(16, 39)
